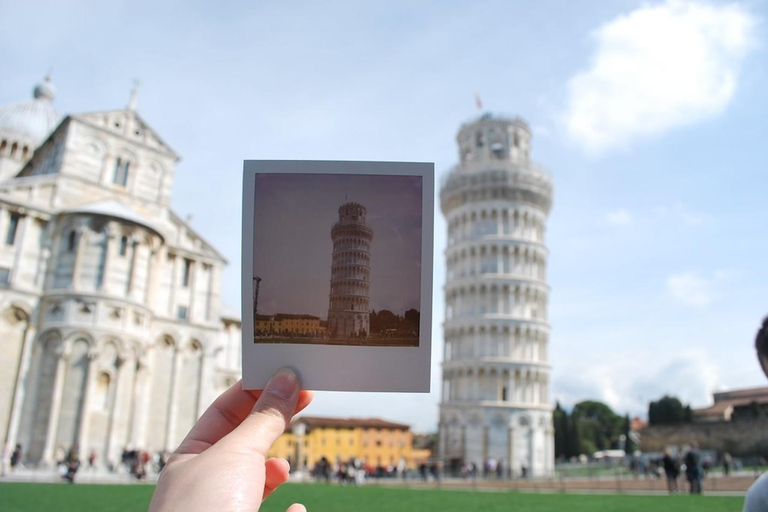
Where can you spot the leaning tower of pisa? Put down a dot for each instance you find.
(349, 302)
(495, 408)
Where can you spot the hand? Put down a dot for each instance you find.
(222, 464)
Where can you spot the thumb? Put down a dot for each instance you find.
(271, 414)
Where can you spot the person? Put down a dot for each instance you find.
(671, 470)
(222, 464)
(757, 495)
(727, 461)
(693, 468)
(16, 456)
(71, 463)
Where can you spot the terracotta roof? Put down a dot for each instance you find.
(319, 421)
(637, 424)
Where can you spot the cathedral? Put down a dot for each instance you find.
(112, 330)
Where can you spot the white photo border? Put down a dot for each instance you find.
(339, 367)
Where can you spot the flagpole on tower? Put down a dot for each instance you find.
(478, 104)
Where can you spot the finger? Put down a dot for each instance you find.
(305, 398)
(223, 416)
(277, 472)
(270, 416)
(296, 507)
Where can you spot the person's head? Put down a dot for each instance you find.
(761, 345)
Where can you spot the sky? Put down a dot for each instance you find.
(650, 115)
(294, 215)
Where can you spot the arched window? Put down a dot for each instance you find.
(120, 176)
(14, 147)
(124, 246)
(71, 241)
(102, 391)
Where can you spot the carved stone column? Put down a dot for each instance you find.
(511, 450)
(83, 428)
(55, 411)
(193, 267)
(132, 271)
(173, 412)
(19, 390)
(108, 250)
(81, 235)
(114, 400)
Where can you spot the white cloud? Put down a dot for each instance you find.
(657, 68)
(692, 289)
(628, 380)
(619, 217)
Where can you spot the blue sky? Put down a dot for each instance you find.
(651, 116)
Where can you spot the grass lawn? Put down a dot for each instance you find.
(320, 498)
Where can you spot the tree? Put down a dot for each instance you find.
(668, 410)
(574, 439)
(383, 320)
(599, 426)
(560, 419)
(412, 317)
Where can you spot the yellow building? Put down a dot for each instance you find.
(374, 441)
(296, 324)
(263, 324)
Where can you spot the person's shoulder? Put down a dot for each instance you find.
(757, 495)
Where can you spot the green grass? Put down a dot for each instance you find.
(320, 498)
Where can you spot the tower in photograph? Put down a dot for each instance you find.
(349, 302)
(495, 408)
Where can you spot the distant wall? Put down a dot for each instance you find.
(739, 438)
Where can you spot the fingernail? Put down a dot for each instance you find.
(283, 383)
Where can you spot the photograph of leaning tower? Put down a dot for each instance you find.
(495, 409)
(337, 259)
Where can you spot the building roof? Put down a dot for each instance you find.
(116, 210)
(320, 421)
(636, 424)
(288, 316)
(728, 400)
(757, 394)
(31, 120)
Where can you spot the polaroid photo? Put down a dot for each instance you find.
(337, 273)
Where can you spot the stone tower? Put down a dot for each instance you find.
(349, 302)
(495, 397)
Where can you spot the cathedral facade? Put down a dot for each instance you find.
(495, 410)
(112, 330)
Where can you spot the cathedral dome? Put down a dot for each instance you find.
(32, 120)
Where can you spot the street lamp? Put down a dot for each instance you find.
(256, 281)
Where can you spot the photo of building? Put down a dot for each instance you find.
(355, 262)
(349, 303)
